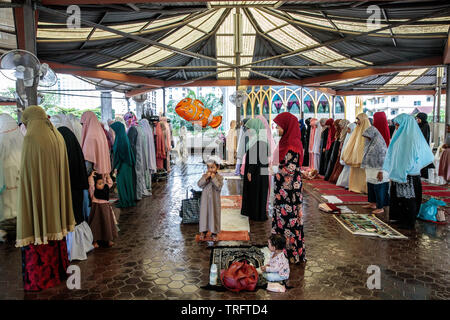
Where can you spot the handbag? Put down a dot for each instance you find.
(190, 208)
(239, 276)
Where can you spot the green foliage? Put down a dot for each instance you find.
(210, 101)
(50, 105)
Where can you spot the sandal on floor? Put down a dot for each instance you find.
(214, 237)
(378, 211)
(369, 206)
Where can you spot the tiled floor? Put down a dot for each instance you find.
(157, 258)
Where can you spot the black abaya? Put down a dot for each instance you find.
(402, 209)
(255, 192)
(132, 137)
(77, 170)
(333, 155)
(306, 144)
(323, 152)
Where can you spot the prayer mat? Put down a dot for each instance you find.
(438, 193)
(436, 188)
(367, 225)
(233, 220)
(353, 198)
(231, 202)
(227, 236)
(337, 192)
(223, 257)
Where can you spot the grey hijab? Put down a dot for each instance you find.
(374, 149)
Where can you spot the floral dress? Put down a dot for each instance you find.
(287, 218)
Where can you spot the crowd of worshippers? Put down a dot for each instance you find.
(56, 177)
(383, 159)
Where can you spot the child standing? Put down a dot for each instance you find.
(101, 219)
(278, 268)
(211, 183)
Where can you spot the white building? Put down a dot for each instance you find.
(395, 105)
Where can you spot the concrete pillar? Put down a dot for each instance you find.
(140, 100)
(106, 105)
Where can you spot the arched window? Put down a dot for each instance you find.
(277, 104)
(308, 104)
(323, 105)
(339, 106)
(266, 107)
(249, 108)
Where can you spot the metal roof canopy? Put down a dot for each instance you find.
(143, 45)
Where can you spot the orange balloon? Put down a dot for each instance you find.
(195, 111)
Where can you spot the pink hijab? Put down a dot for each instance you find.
(313, 124)
(94, 143)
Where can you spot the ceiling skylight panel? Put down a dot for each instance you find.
(248, 44)
(320, 22)
(165, 22)
(227, 25)
(405, 77)
(264, 23)
(285, 40)
(225, 46)
(299, 36)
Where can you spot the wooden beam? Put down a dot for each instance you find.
(366, 72)
(8, 103)
(69, 2)
(105, 75)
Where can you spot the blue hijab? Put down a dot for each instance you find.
(408, 151)
(302, 124)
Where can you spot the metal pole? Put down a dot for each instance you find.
(237, 50)
(164, 101)
(439, 92)
(302, 113)
(447, 106)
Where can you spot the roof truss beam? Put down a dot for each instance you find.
(138, 38)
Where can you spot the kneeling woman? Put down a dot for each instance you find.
(407, 154)
(287, 218)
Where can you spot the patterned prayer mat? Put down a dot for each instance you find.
(368, 225)
(231, 202)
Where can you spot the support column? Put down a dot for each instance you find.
(237, 51)
(25, 23)
(302, 109)
(447, 106)
(106, 105)
(440, 74)
(164, 101)
(140, 100)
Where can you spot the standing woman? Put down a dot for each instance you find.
(342, 181)
(306, 144)
(334, 149)
(353, 155)
(317, 144)
(425, 128)
(151, 160)
(94, 144)
(241, 146)
(45, 214)
(338, 167)
(231, 141)
(325, 123)
(312, 135)
(124, 162)
(11, 142)
(79, 242)
(380, 122)
(256, 174)
(407, 154)
(287, 218)
(133, 136)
